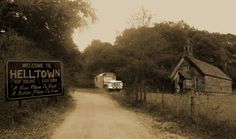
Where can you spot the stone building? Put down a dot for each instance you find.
(193, 74)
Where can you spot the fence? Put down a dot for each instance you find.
(220, 107)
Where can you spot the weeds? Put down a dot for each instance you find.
(195, 114)
(34, 119)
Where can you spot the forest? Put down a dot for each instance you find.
(141, 56)
(39, 30)
(42, 30)
(146, 55)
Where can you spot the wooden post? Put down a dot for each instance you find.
(55, 99)
(162, 100)
(19, 104)
(192, 104)
(208, 99)
(145, 93)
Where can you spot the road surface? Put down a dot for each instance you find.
(97, 116)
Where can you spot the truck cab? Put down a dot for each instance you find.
(113, 85)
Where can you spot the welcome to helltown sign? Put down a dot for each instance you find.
(33, 79)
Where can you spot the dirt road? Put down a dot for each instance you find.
(97, 116)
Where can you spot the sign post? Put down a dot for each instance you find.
(33, 79)
(19, 104)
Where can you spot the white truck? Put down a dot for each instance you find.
(113, 85)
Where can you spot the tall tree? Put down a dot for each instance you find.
(141, 19)
(49, 24)
(45, 20)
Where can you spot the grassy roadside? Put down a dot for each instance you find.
(179, 125)
(36, 119)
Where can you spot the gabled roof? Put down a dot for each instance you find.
(106, 73)
(205, 68)
(176, 68)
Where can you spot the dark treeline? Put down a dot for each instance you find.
(39, 30)
(42, 29)
(145, 56)
(142, 56)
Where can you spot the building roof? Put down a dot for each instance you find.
(106, 73)
(205, 68)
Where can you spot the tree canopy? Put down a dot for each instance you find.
(47, 25)
(45, 20)
(147, 55)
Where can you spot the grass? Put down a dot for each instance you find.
(221, 105)
(35, 119)
(206, 122)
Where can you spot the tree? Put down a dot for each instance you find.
(45, 20)
(93, 61)
(146, 56)
(49, 25)
(141, 19)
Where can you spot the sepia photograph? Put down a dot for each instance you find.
(117, 69)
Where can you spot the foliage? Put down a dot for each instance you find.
(147, 55)
(141, 19)
(39, 29)
(49, 25)
(45, 20)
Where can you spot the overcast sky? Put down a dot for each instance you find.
(113, 16)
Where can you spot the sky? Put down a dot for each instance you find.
(113, 16)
